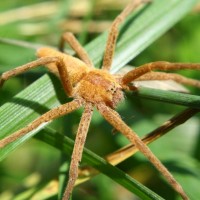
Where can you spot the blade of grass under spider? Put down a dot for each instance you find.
(139, 31)
(183, 99)
(98, 163)
(61, 142)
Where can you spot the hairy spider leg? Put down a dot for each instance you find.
(45, 118)
(114, 31)
(168, 125)
(78, 148)
(129, 150)
(169, 76)
(70, 39)
(60, 65)
(159, 65)
(112, 117)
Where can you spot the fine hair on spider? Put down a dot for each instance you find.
(90, 87)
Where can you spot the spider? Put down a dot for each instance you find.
(90, 87)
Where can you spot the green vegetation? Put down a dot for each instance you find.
(26, 171)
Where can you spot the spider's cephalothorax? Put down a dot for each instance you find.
(99, 86)
(93, 85)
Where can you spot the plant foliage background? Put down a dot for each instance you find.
(35, 164)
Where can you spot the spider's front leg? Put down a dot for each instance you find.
(113, 118)
(47, 117)
(62, 70)
(169, 76)
(144, 72)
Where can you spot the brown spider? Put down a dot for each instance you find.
(98, 88)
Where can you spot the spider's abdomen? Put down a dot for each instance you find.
(99, 86)
(75, 67)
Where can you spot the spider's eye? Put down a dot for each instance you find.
(112, 89)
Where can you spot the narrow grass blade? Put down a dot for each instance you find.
(183, 99)
(66, 145)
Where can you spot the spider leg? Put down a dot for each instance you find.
(41, 61)
(123, 153)
(159, 65)
(169, 76)
(69, 38)
(78, 148)
(112, 117)
(45, 118)
(114, 30)
(170, 124)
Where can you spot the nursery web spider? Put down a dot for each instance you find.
(98, 88)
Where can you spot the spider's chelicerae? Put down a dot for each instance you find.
(90, 87)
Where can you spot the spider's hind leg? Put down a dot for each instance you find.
(112, 117)
(78, 148)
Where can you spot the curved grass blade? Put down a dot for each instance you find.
(60, 141)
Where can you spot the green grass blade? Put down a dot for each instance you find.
(25, 107)
(65, 144)
(183, 99)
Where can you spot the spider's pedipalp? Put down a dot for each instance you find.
(78, 148)
(47, 117)
(112, 117)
